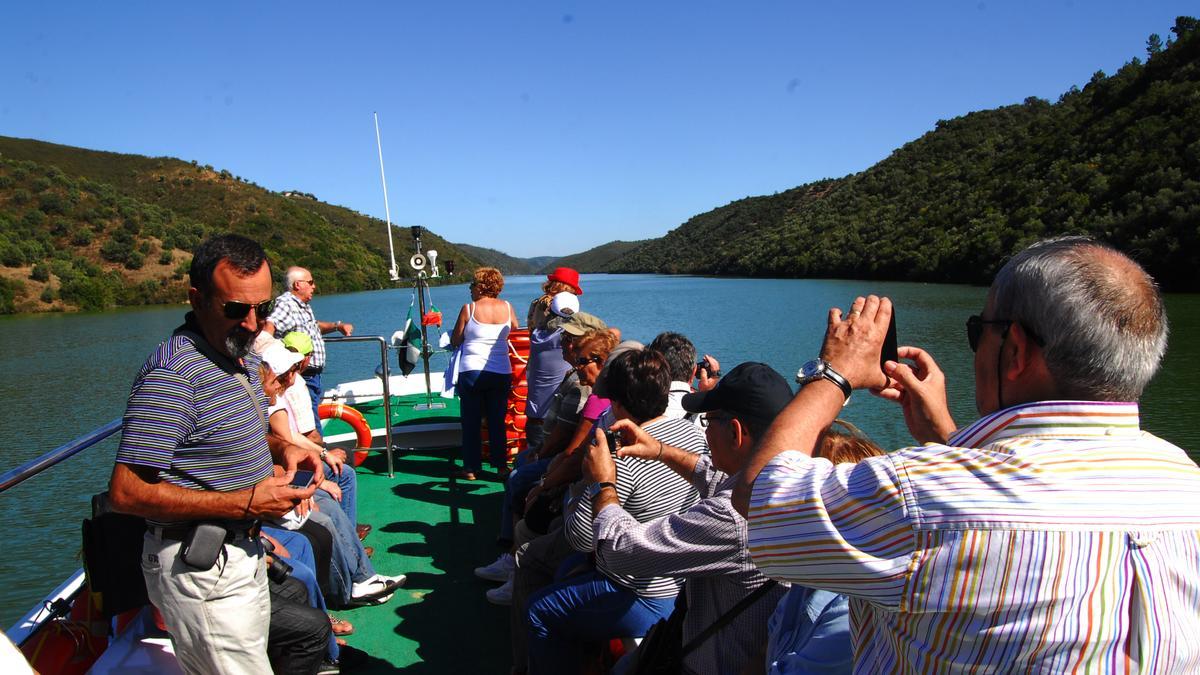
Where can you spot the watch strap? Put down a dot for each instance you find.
(597, 487)
(835, 377)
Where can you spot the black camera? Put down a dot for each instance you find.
(614, 440)
(706, 365)
(278, 570)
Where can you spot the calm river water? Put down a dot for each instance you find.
(67, 374)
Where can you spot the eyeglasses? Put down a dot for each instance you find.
(236, 310)
(584, 360)
(975, 324)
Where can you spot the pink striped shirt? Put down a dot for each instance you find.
(1054, 536)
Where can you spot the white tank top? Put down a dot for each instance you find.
(485, 345)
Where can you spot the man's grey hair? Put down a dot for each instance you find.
(1098, 315)
(293, 275)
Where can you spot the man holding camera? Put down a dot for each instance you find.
(705, 544)
(1053, 534)
(194, 460)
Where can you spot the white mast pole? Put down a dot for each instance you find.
(386, 210)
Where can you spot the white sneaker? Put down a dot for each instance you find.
(375, 587)
(501, 595)
(500, 570)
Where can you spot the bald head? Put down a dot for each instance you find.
(1099, 316)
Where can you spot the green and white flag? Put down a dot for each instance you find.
(410, 344)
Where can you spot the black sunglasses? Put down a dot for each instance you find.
(236, 311)
(975, 324)
(584, 360)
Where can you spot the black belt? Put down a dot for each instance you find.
(234, 532)
(309, 372)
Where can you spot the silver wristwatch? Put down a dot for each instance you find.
(819, 369)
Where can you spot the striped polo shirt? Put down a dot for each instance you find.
(1048, 537)
(647, 490)
(189, 418)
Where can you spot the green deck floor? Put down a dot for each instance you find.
(436, 529)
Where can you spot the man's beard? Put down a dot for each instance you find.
(237, 343)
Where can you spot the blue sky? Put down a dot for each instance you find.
(541, 128)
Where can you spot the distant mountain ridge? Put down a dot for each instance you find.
(506, 263)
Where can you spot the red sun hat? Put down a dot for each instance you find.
(567, 276)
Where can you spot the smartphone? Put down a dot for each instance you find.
(203, 545)
(889, 352)
(302, 479)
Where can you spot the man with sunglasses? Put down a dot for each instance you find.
(292, 312)
(1053, 534)
(194, 460)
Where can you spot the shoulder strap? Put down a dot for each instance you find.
(203, 347)
(729, 616)
(471, 311)
(510, 311)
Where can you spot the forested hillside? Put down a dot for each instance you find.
(601, 258)
(504, 262)
(1118, 159)
(82, 229)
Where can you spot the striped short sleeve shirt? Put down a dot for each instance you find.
(189, 418)
(1048, 537)
(646, 490)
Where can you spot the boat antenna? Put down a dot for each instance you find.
(392, 271)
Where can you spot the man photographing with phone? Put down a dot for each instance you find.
(194, 460)
(1053, 534)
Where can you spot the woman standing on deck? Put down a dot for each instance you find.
(485, 374)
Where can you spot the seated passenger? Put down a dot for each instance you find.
(605, 603)
(353, 578)
(337, 469)
(680, 354)
(705, 544)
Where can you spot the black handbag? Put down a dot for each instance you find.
(664, 657)
(661, 650)
(112, 558)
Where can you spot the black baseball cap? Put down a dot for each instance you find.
(749, 391)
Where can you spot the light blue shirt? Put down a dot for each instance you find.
(809, 633)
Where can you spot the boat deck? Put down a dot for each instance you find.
(436, 529)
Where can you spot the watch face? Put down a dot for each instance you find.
(811, 370)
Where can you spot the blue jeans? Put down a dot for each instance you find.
(481, 393)
(349, 561)
(588, 608)
(519, 483)
(347, 480)
(313, 382)
(303, 564)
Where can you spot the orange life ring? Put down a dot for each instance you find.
(356, 421)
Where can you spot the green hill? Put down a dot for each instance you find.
(504, 262)
(1119, 160)
(84, 229)
(602, 258)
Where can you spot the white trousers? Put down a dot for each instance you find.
(217, 618)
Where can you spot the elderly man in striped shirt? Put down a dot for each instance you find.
(1051, 535)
